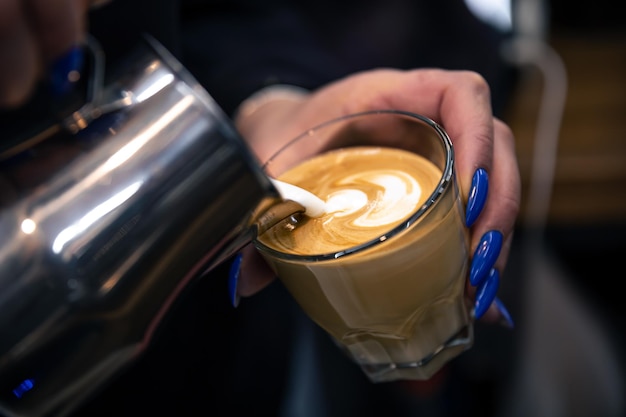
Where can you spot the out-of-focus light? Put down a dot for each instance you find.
(24, 386)
(28, 226)
(497, 13)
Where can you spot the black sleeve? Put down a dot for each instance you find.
(235, 47)
(239, 47)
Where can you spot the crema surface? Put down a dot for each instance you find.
(367, 190)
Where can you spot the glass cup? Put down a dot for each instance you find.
(395, 302)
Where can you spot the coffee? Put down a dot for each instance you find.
(383, 278)
(367, 190)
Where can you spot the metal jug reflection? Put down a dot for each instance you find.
(107, 226)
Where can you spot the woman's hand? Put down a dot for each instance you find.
(484, 147)
(38, 38)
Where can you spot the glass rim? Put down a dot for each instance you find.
(433, 198)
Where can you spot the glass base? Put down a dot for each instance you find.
(426, 367)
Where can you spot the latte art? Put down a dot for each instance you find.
(397, 194)
(367, 192)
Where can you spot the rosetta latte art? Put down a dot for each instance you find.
(367, 191)
(398, 195)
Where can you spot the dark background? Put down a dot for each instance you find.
(587, 216)
(586, 223)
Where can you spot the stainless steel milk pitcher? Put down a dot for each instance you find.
(155, 188)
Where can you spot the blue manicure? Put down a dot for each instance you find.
(233, 278)
(505, 317)
(485, 256)
(65, 71)
(486, 293)
(477, 196)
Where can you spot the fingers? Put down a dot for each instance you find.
(249, 274)
(504, 197)
(35, 36)
(58, 25)
(19, 59)
(484, 154)
(492, 233)
(461, 102)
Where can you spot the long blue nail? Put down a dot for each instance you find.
(505, 317)
(486, 293)
(485, 256)
(477, 196)
(233, 278)
(65, 71)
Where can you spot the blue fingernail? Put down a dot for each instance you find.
(505, 317)
(477, 196)
(65, 72)
(485, 256)
(486, 293)
(233, 278)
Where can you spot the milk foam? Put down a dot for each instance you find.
(398, 196)
(366, 191)
(314, 206)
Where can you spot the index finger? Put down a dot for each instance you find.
(58, 25)
(19, 59)
(460, 101)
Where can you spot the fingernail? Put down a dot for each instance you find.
(477, 196)
(485, 256)
(233, 278)
(505, 317)
(486, 293)
(65, 72)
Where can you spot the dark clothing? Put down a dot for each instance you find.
(236, 47)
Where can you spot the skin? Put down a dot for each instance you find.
(459, 100)
(33, 34)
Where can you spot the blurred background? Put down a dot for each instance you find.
(568, 114)
(587, 210)
(586, 217)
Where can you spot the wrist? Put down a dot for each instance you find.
(261, 118)
(267, 96)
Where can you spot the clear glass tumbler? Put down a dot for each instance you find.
(395, 303)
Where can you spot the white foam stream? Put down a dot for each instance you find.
(400, 195)
(314, 206)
